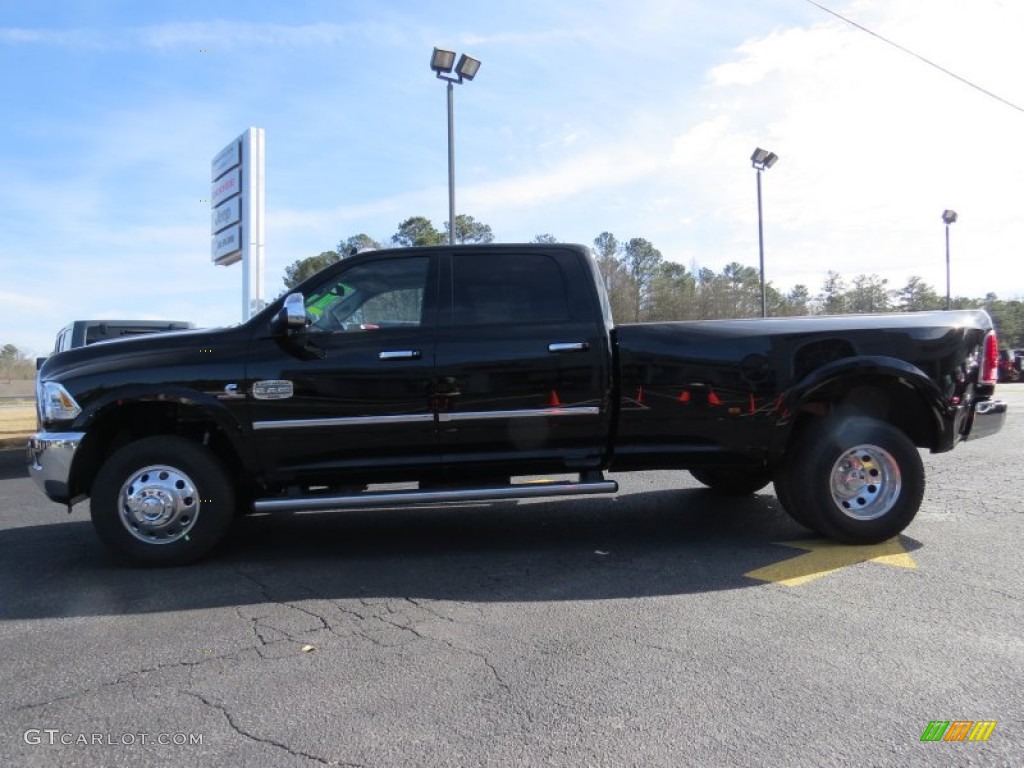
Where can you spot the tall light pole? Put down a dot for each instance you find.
(443, 62)
(762, 160)
(948, 217)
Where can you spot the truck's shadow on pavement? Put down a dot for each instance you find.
(12, 463)
(653, 543)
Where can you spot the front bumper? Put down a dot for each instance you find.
(988, 418)
(50, 455)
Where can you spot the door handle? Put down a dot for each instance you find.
(400, 354)
(568, 346)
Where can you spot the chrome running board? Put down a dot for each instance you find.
(369, 499)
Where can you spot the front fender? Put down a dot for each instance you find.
(106, 415)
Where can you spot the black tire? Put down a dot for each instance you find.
(182, 498)
(855, 479)
(785, 497)
(732, 481)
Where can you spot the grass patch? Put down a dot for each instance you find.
(17, 419)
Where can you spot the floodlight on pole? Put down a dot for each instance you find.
(762, 160)
(948, 217)
(443, 62)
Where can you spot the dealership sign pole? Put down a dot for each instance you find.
(238, 200)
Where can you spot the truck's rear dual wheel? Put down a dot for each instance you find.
(162, 500)
(785, 497)
(854, 479)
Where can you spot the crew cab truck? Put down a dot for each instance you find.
(451, 373)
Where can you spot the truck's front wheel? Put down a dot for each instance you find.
(162, 500)
(855, 479)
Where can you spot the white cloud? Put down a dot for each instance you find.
(873, 145)
(607, 167)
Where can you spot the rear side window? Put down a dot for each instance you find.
(529, 288)
(63, 340)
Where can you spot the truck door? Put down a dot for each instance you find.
(353, 391)
(523, 364)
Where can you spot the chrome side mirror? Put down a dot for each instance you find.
(293, 315)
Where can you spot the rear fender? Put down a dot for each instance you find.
(830, 384)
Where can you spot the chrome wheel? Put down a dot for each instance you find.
(865, 482)
(159, 504)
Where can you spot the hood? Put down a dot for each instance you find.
(147, 351)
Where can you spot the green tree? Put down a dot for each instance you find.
(617, 283)
(641, 260)
(357, 244)
(710, 295)
(417, 231)
(868, 294)
(469, 230)
(606, 254)
(742, 286)
(1008, 319)
(545, 238)
(14, 363)
(673, 293)
(832, 299)
(303, 268)
(776, 302)
(917, 296)
(962, 302)
(797, 301)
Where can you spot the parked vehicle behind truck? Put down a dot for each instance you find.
(460, 369)
(80, 333)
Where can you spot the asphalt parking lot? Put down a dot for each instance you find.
(662, 626)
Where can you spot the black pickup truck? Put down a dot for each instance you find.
(455, 373)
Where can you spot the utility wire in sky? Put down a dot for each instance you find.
(930, 63)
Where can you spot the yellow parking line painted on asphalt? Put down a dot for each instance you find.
(824, 557)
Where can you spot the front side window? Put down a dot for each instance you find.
(387, 293)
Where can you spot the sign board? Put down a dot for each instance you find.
(227, 213)
(237, 197)
(226, 159)
(227, 246)
(229, 185)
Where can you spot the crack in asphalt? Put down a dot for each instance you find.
(128, 678)
(1008, 595)
(266, 593)
(233, 724)
(374, 612)
(501, 682)
(268, 597)
(386, 612)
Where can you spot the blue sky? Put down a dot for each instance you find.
(635, 118)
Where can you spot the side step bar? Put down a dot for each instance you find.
(367, 499)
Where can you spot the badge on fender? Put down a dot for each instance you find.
(273, 389)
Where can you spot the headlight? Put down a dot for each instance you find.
(55, 404)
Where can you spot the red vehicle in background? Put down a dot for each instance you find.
(1010, 361)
